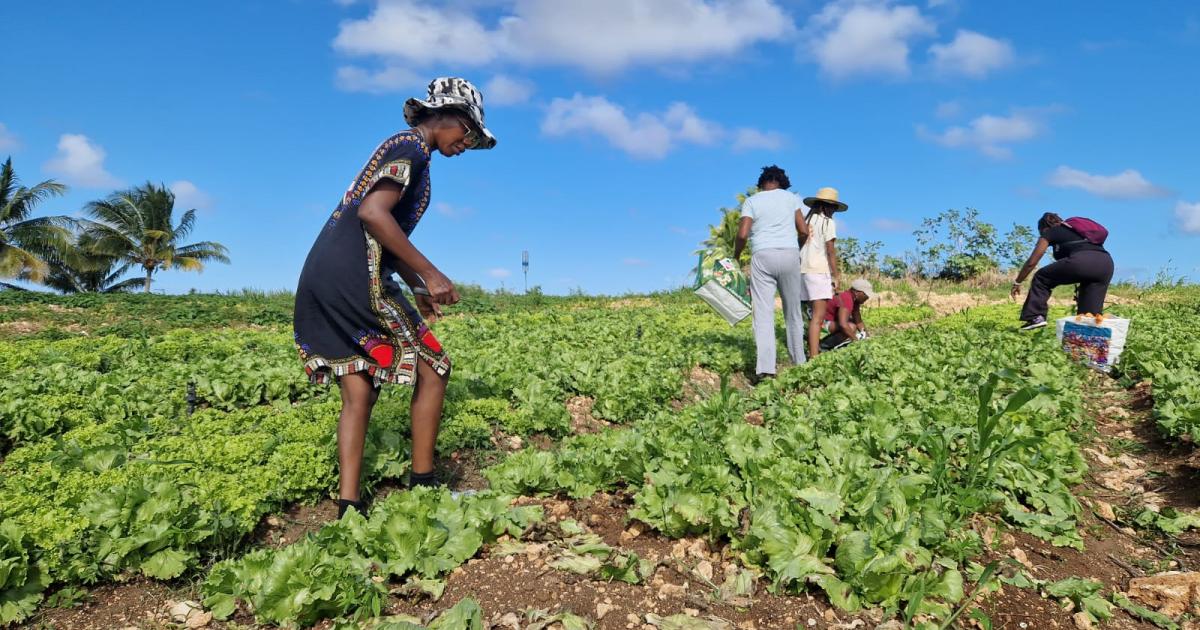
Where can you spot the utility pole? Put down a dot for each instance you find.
(525, 268)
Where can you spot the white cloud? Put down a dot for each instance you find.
(80, 162)
(635, 262)
(188, 196)
(645, 135)
(948, 109)
(1188, 217)
(971, 54)
(988, 134)
(388, 79)
(602, 37)
(853, 37)
(505, 90)
(689, 127)
(1128, 184)
(8, 140)
(891, 225)
(455, 213)
(416, 32)
(608, 36)
(682, 231)
(499, 273)
(746, 139)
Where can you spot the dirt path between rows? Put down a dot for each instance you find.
(1131, 468)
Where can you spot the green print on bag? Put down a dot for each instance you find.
(721, 284)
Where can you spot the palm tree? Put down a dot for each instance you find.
(77, 269)
(134, 227)
(24, 242)
(722, 237)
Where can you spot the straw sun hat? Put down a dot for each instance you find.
(828, 195)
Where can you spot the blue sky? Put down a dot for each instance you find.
(623, 125)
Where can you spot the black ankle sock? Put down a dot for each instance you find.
(427, 479)
(345, 505)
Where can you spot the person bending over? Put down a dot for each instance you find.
(843, 318)
(353, 325)
(1079, 258)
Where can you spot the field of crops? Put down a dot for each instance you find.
(857, 477)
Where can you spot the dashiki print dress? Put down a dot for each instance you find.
(350, 315)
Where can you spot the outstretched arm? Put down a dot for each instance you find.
(1039, 250)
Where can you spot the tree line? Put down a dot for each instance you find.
(130, 231)
(955, 244)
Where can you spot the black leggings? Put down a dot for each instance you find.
(1091, 270)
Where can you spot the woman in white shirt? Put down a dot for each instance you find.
(818, 260)
(773, 222)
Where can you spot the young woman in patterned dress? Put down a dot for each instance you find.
(352, 323)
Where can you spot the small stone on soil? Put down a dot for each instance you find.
(1018, 554)
(1171, 593)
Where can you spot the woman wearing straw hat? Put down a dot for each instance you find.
(352, 323)
(818, 260)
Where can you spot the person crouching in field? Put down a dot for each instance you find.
(1079, 258)
(818, 260)
(352, 323)
(843, 318)
(773, 221)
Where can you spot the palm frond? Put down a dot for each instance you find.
(40, 236)
(16, 201)
(21, 264)
(204, 250)
(185, 225)
(126, 286)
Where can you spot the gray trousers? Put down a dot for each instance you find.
(769, 269)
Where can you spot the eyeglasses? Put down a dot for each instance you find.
(470, 138)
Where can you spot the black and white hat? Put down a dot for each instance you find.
(452, 93)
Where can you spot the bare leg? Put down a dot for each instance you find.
(427, 402)
(814, 326)
(358, 397)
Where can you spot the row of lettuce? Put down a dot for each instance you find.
(859, 473)
(1163, 347)
(105, 472)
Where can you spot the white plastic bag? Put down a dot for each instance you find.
(1097, 344)
(721, 284)
(727, 303)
